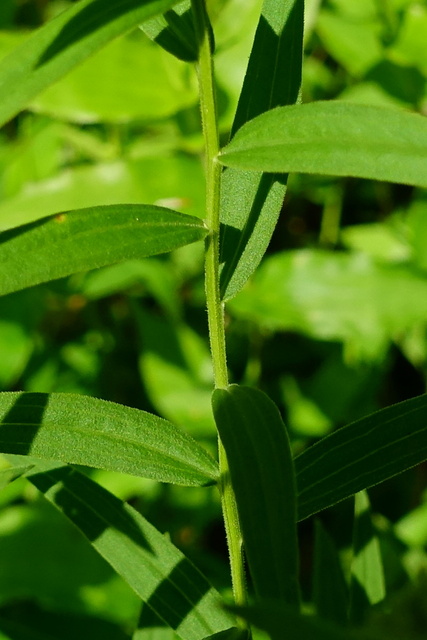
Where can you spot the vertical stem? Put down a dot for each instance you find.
(215, 306)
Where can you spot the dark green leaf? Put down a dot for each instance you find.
(174, 31)
(65, 41)
(361, 455)
(157, 571)
(334, 138)
(285, 623)
(330, 593)
(85, 239)
(251, 202)
(367, 586)
(262, 475)
(82, 430)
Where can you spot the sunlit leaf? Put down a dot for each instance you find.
(174, 31)
(334, 138)
(87, 431)
(85, 239)
(250, 202)
(262, 475)
(159, 573)
(361, 455)
(65, 41)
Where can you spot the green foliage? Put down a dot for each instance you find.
(107, 358)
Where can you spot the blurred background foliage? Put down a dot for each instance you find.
(332, 326)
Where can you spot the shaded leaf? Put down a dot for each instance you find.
(334, 138)
(157, 571)
(65, 41)
(262, 476)
(367, 584)
(87, 431)
(361, 455)
(250, 202)
(330, 591)
(285, 622)
(85, 239)
(174, 31)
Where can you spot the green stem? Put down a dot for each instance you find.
(215, 306)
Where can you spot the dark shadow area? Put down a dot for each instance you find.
(16, 232)
(19, 426)
(90, 19)
(25, 620)
(179, 37)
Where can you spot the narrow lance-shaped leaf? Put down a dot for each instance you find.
(251, 202)
(361, 455)
(262, 476)
(65, 41)
(95, 433)
(85, 239)
(334, 138)
(157, 571)
(11, 473)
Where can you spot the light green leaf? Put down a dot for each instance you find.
(335, 296)
(157, 571)
(65, 41)
(85, 95)
(361, 455)
(367, 585)
(87, 431)
(11, 473)
(330, 591)
(251, 203)
(175, 181)
(85, 239)
(334, 138)
(262, 476)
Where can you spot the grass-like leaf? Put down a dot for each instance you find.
(334, 138)
(65, 41)
(85, 239)
(157, 571)
(361, 455)
(11, 473)
(83, 430)
(262, 475)
(251, 202)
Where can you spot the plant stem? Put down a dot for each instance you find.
(215, 306)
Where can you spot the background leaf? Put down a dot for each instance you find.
(262, 476)
(92, 432)
(251, 202)
(159, 573)
(85, 239)
(361, 455)
(334, 138)
(65, 41)
(367, 583)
